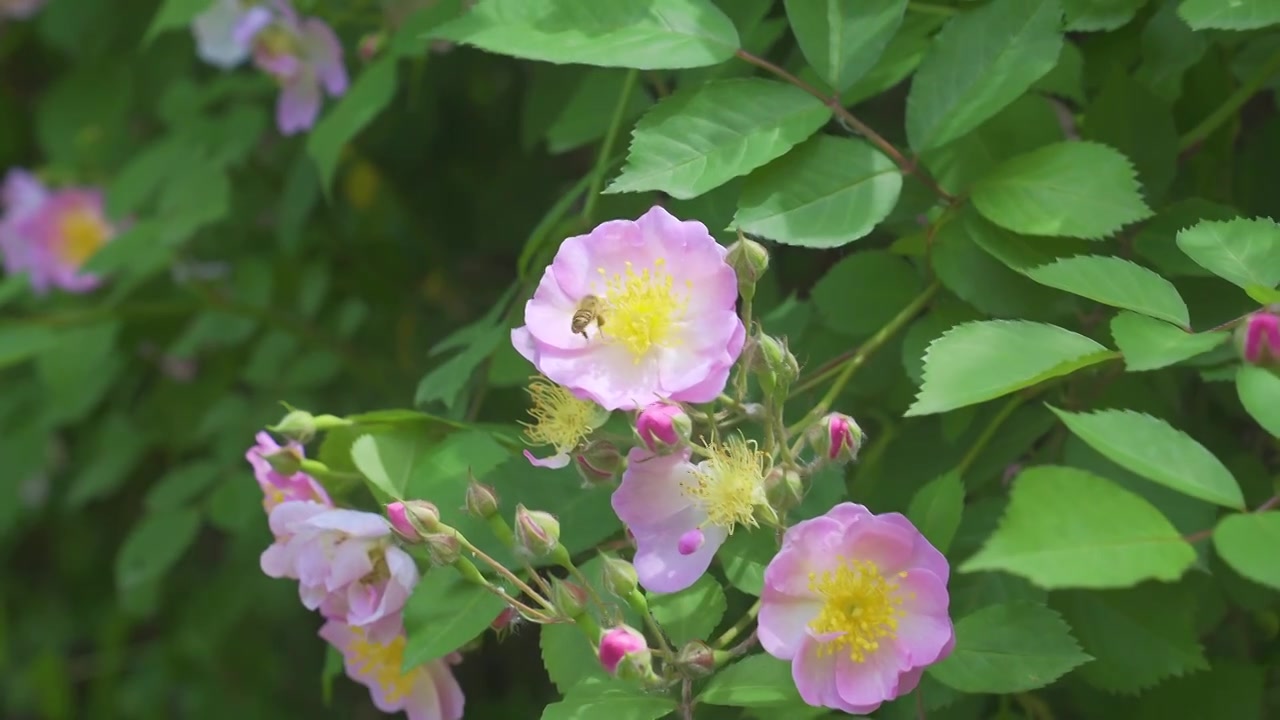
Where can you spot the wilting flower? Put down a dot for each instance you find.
(277, 487)
(858, 603)
(1259, 338)
(619, 643)
(345, 563)
(51, 234)
(427, 692)
(634, 312)
(561, 420)
(224, 33)
(681, 513)
(303, 56)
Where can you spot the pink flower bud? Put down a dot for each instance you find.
(370, 45)
(443, 548)
(1259, 338)
(839, 438)
(398, 514)
(690, 542)
(537, 532)
(662, 427)
(621, 643)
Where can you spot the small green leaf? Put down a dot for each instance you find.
(1259, 391)
(19, 342)
(1248, 542)
(568, 657)
(1127, 116)
(1243, 251)
(365, 455)
(981, 61)
(756, 681)
(174, 14)
(1116, 282)
(877, 282)
(1150, 344)
(1073, 189)
(1229, 14)
(1157, 451)
(692, 613)
(445, 382)
(1009, 649)
(936, 509)
(978, 361)
(181, 484)
(333, 663)
(1093, 15)
(154, 544)
(842, 40)
(745, 555)
(825, 193)
(612, 699)
(1065, 528)
(641, 34)
(443, 614)
(704, 136)
(372, 91)
(117, 446)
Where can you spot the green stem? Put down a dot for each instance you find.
(743, 623)
(606, 148)
(1231, 105)
(504, 572)
(988, 433)
(641, 607)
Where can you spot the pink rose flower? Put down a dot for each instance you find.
(224, 33)
(51, 234)
(858, 603)
(276, 486)
(635, 312)
(1259, 338)
(680, 513)
(304, 56)
(427, 692)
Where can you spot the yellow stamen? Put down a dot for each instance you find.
(730, 484)
(860, 603)
(642, 309)
(83, 232)
(561, 419)
(381, 662)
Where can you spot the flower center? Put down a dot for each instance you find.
(860, 603)
(730, 484)
(560, 418)
(83, 232)
(642, 309)
(382, 663)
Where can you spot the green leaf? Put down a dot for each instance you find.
(568, 657)
(174, 14)
(745, 555)
(1248, 542)
(443, 614)
(692, 613)
(117, 446)
(1149, 344)
(756, 681)
(1127, 116)
(1008, 649)
(181, 484)
(1065, 527)
(825, 193)
(1073, 189)
(1116, 282)
(446, 381)
(1229, 14)
(642, 34)
(19, 342)
(1259, 391)
(843, 40)
(1093, 15)
(585, 116)
(980, 62)
(936, 509)
(369, 94)
(704, 136)
(978, 361)
(1243, 251)
(1157, 451)
(153, 546)
(1137, 637)
(1026, 124)
(877, 282)
(610, 699)
(366, 453)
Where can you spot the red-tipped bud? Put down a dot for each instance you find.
(425, 514)
(663, 427)
(569, 598)
(619, 576)
(1258, 338)
(599, 462)
(837, 439)
(398, 516)
(623, 643)
(537, 532)
(482, 500)
(696, 659)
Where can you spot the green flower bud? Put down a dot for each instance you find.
(749, 261)
(569, 598)
(443, 548)
(482, 500)
(537, 532)
(774, 365)
(619, 576)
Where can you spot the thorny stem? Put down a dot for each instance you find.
(1231, 105)
(606, 148)
(738, 627)
(908, 167)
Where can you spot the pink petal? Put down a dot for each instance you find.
(350, 562)
(925, 629)
(451, 700)
(815, 677)
(523, 342)
(782, 624)
(555, 461)
(863, 686)
(888, 546)
(298, 105)
(325, 55)
(355, 523)
(924, 554)
(658, 562)
(650, 489)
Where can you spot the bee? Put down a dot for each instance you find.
(588, 311)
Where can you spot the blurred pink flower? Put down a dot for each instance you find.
(50, 234)
(20, 9)
(303, 56)
(858, 603)
(224, 33)
(667, 300)
(278, 487)
(427, 692)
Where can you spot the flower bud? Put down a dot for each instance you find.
(774, 365)
(537, 532)
(619, 575)
(784, 488)
(623, 643)
(424, 514)
(370, 45)
(696, 659)
(482, 500)
(286, 460)
(301, 425)
(663, 427)
(598, 463)
(837, 438)
(405, 527)
(749, 260)
(1258, 338)
(506, 622)
(568, 597)
(443, 548)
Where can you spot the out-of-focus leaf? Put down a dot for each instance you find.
(842, 40)
(157, 542)
(1259, 391)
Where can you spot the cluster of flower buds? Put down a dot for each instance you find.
(1258, 337)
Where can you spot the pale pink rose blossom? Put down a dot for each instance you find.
(667, 298)
(50, 234)
(305, 57)
(427, 692)
(276, 486)
(858, 604)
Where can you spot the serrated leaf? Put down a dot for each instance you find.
(1026, 124)
(1065, 527)
(154, 544)
(936, 509)
(1242, 251)
(1093, 15)
(443, 614)
(445, 382)
(1248, 542)
(756, 681)
(877, 282)
(1157, 451)
(825, 193)
(641, 34)
(978, 361)
(692, 613)
(703, 136)
(611, 699)
(842, 40)
(1073, 189)
(1008, 649)
(1137, 637)
(1259, 391)
(1150, 344)
(745, 555)
(980, 62)
(1229, 14)
(1116, 282)
(568, 656)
